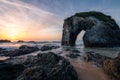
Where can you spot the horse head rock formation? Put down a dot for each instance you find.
(100, 30)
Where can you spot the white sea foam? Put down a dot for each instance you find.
(110, 52)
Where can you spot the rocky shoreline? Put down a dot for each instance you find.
(50, 65)
(44, 66)
(109, 65)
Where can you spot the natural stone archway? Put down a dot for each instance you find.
(100, 30)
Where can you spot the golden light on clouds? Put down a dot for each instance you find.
(12, 32)
(23, 21)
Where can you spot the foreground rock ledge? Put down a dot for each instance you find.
(100, 30)
(45, 66)
(111, 66)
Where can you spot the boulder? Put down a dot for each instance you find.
(95, 58)
(49, 66)
(111, 66)
(3, 51)
(28, 47)
(10, 71)
(100, 30)
(48, 47)
(44, 66)
(24, 49)
(73, 55)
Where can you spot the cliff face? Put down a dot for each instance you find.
(100, 30)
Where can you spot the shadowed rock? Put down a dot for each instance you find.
(95, 58)
(48, 47)
(49, 66)
(73, 53)
(111, 66)
(24, 49)
(10, 71)
(100, 30)
(44, 66)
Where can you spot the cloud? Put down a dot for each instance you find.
(45, 17)
(21, 13)
(26, 17)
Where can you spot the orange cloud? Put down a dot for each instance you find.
(20, 20)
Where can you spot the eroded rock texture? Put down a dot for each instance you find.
(100, 30)
(49, 66)
(110, 66)
(44, 66)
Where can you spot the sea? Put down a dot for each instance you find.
(110, 52)
(79, 65)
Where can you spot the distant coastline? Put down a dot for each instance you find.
(4, 41)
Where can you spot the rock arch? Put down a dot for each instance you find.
(100, 30)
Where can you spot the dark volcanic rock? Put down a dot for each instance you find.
(49, 66)
(2, 51)
(10, 71)
(28, 47)
(101, 30)
(44, 66)
(24, 49)
(75, 51)
(73, 55)
(111, 66)
(95, 58)
(48, 47)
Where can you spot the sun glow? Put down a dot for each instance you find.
(20, 20)
(12, 32)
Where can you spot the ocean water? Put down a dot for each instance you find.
(85, 70)
(110, 52)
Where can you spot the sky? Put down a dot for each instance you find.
(43, 19)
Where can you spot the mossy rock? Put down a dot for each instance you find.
(101, 16)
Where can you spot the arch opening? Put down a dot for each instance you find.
(79, 39)
(100, 30)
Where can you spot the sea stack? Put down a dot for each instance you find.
(100, 30)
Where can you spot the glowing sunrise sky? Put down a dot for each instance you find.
(43, 19)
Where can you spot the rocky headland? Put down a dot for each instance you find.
(4, 41)
(101, 30)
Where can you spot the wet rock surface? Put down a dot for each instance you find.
(24, 49)
(111, 66)
(73, 53)
(44, 66)
(48, 47)
(100, 30)
(10, 71)
(96, 58)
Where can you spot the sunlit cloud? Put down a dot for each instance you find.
(43, 19)
(18, 18)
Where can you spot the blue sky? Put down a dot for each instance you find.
(43, 19)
